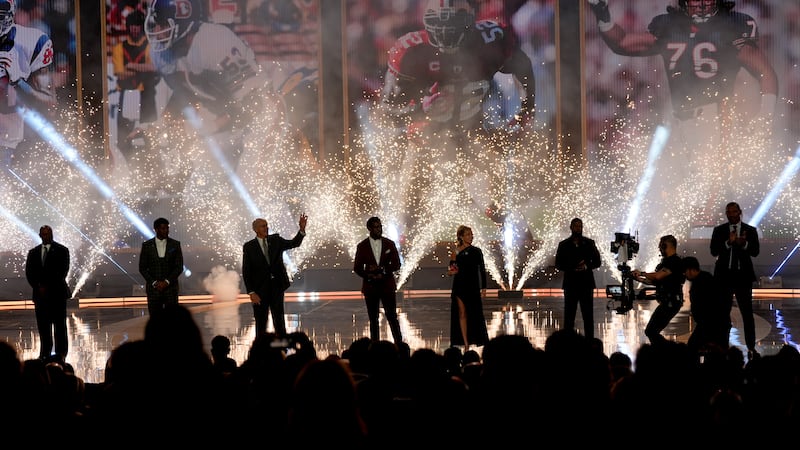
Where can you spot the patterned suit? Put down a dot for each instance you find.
(379, 285)
(50, 294)
(154, 268)
(268, 278)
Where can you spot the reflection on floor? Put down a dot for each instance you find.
(334, 320)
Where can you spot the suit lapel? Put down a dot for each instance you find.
(268, 256)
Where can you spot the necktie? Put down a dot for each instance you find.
(732, 264)
(44, 254)
(264, 248)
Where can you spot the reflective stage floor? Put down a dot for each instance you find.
(333, 320)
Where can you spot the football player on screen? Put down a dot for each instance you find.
(703, 44)
(26, 59)
(203, 63)
(214, 77)
(440, 77)
(223, 103)
(441, 95)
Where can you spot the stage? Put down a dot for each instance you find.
(334, 319)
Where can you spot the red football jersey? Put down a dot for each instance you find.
(464, 75)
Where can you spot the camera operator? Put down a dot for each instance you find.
(668, 279)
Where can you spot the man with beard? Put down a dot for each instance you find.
(576, 257)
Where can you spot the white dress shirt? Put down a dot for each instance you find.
(161, 247)
(376, 245)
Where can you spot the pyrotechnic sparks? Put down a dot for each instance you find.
(515, 190)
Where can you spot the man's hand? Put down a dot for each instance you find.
(600, 10)
(303, 221)
(10, 63)
(374, 272)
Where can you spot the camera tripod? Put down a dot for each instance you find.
(627, 295)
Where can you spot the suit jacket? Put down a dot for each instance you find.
(742, 257)
(167, 268)
(365, 266)
(52, 276)
(568, 255)
(258, 273)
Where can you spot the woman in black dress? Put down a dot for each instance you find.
(467, 267)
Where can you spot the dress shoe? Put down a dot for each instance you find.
(752, 354)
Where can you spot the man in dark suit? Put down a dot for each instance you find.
(376, 261)
(577, 256)
(161, 263)
(734, 244)
(46, 270)
(264, 274)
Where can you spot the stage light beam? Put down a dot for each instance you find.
(786, 175)
(660, 138)
(46, 130)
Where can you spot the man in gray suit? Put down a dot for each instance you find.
(161, 263)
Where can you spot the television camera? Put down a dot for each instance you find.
(625, 247)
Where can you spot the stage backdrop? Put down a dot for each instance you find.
(212, 149)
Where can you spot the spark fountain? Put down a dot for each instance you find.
(422, 187)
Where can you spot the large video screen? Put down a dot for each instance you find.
(451, 127)
(37, 68)
(214, 109)
(38, 95)
(689, 110)
(213, 149)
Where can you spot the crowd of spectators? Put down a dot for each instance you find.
(165, 388)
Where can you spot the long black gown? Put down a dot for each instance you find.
(467, 285)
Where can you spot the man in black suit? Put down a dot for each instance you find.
(161, 263)
(264, 273)
(577, 256)
(376, 261)
(46, 270)
(734, 244)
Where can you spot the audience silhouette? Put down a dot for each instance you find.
(324, 406)
(378, 394)
(220, 354)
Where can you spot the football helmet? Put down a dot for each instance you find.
(169, 21)
(447, 22)
(7, 10)
(700, 10)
